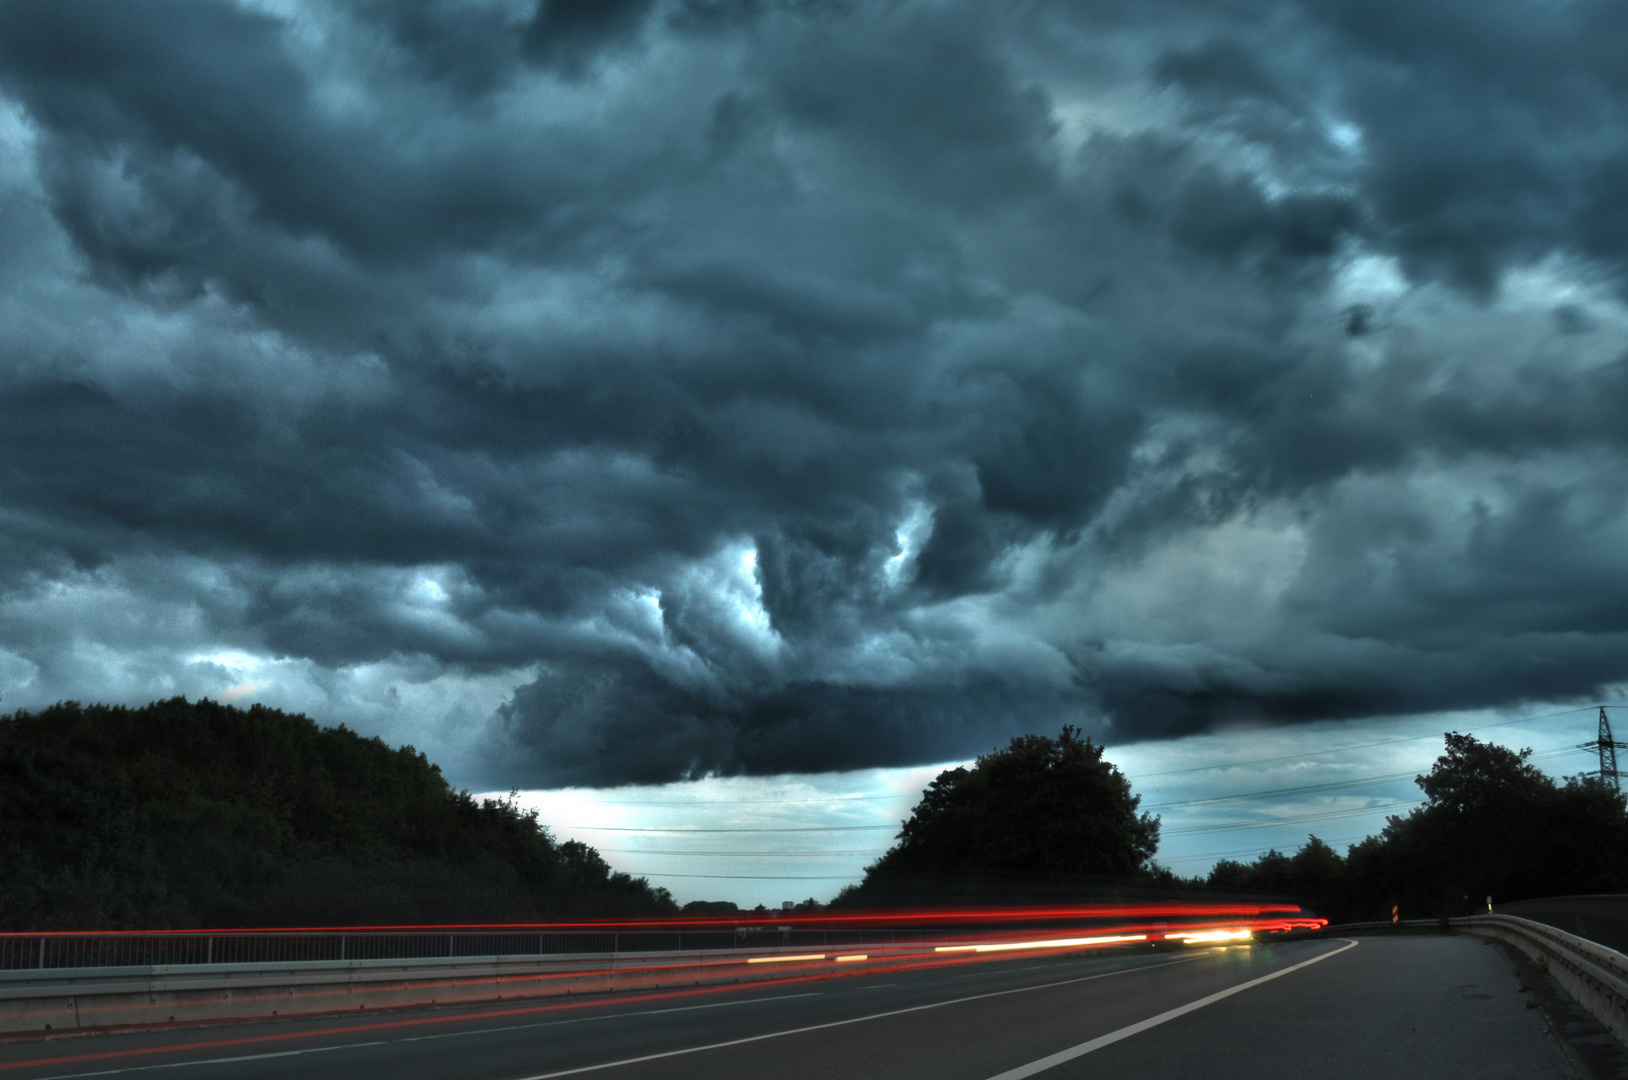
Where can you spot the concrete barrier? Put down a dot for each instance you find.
(1596, 976)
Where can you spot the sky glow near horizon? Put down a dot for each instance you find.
(681, 835)
(799, 395)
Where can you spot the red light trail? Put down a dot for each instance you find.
(1288, 914)
(985, 935)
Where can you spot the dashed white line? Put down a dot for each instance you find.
(427, 1038)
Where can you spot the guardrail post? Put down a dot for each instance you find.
(341, 946)
(209, 950)
(42, 952)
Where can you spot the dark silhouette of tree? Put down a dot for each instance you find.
(1487, 813)
(1041, 808)
(1491, 825)
(711, 907)
(192, 813)
(1313, 876)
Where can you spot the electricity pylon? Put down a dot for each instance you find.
(1607, 746)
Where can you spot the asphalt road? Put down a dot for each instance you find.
(1385, 1007)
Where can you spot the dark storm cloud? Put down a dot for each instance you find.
(570, 33)
(709, 387)
(588, 718)
(1496, 131)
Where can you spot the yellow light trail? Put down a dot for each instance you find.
(1055, 943)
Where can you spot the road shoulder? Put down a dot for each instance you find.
(1594, 1053)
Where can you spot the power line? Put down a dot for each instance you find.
(683, 831)
(758, 877)
(1303, 789)
(1255, 850)
(742, 854)
(1211, 828)
(839, 799)
(1366, 746)
(1181, 831)
(1298, 819)
(1190, 830)
(1331, 785)
(702, 803)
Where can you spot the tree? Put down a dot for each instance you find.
(1314, 876)
(182, 814)
(1042, 807)
(1487, 813)
(1491, 825)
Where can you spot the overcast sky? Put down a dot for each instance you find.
(603, 393)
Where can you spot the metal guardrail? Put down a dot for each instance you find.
(47, 951)
(22, 952)
(35, 999)
(84, 980)
(1594, 975)
(1378, 924)
(160, 978)
(80, 998)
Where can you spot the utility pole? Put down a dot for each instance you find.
(1607, 746)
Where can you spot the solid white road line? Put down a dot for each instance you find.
(844, 1023)
(117, 1070)
(1053, 1060)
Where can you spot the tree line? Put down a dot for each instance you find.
(1045, 818)
(1491, 825)
(187, 814)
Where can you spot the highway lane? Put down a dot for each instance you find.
(1428, 1007)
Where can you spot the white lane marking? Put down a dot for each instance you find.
(1053, 1060)
(217, 1061)
(608, 1016)
(427, 1038)
(844, 1023)
(878, 986)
